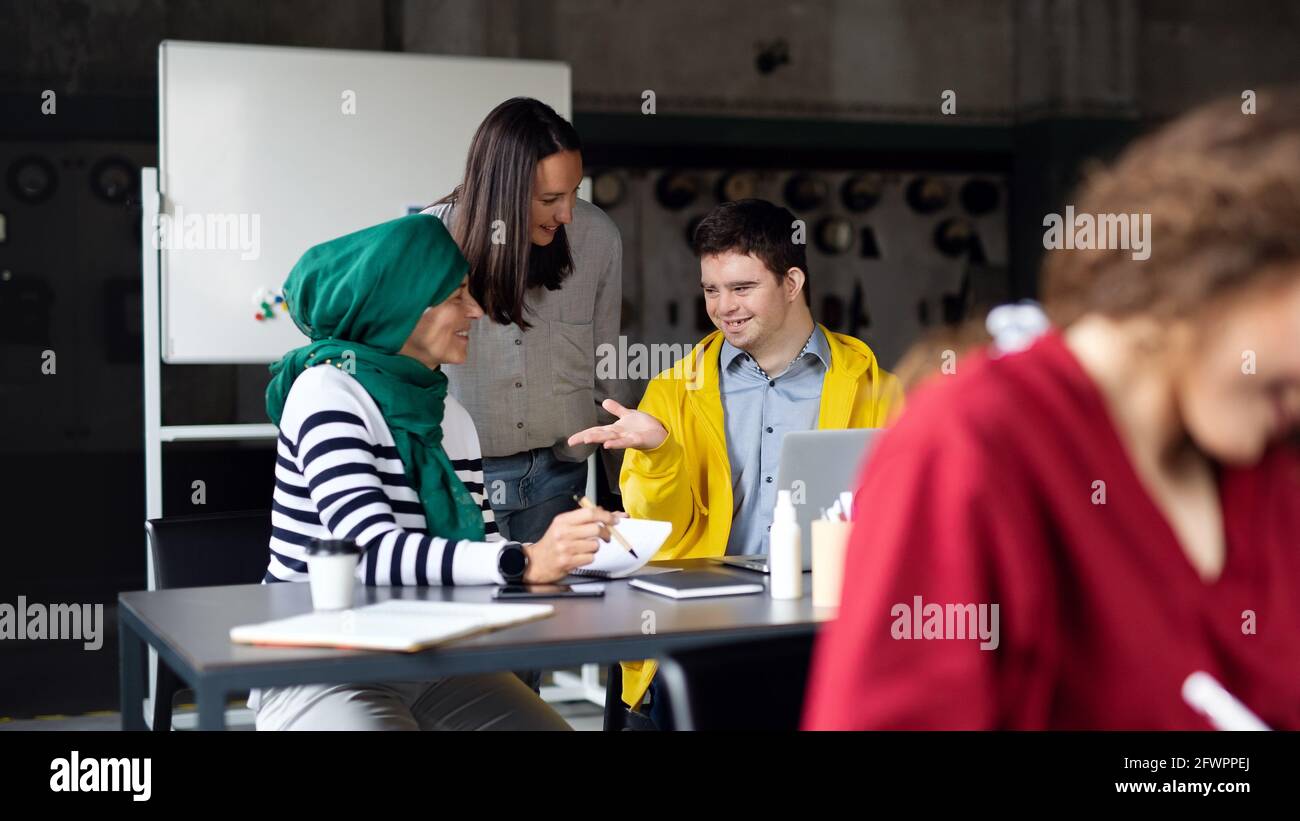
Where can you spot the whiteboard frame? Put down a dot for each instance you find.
(260, 134)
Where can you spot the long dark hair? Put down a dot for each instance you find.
(498, 185)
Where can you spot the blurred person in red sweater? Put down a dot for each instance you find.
(1058, 537)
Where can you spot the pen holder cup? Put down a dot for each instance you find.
(830, 541)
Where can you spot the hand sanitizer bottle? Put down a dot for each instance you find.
(785, 553)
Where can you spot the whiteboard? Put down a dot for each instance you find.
(259, 160)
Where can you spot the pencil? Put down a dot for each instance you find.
(583, 501)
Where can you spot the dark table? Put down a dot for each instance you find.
(190, 629)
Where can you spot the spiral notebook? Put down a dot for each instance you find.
(613, 561)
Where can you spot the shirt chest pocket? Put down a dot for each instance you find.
(572, 357)
(573, 304)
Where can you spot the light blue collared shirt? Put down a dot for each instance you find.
(758, 410)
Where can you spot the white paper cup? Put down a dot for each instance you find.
(830, 542)
(331, 571)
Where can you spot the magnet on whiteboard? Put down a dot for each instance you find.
(267, 301)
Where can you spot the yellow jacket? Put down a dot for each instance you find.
(687, 479)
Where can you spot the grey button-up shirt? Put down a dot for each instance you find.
(533, 389)
(758, 411)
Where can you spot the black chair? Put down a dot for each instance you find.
(615, 712)
(618, 716)
(202, 551)
(751, 685)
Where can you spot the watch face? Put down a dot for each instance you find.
(512, 561)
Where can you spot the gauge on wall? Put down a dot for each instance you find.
(112, 180)
(861, 192)
(737, 185)
(927, 194)
(954, 237)
(32, 179)
(607, 189)
(805, 192)
(834, 235)
(676, 190)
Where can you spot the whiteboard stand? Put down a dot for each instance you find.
(155, 433)
(582, 686)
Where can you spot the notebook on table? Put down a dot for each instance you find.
(697, 584)
(402, 625)
(614, 561)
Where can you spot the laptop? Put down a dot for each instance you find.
(826, 463)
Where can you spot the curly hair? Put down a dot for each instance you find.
(1222, 188)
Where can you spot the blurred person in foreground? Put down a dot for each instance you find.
(938, 350)
(1059, 537)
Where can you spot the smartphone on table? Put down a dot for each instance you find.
(549, 591)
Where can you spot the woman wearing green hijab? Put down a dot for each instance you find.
(371, 449)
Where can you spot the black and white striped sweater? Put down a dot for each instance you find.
(338, 475)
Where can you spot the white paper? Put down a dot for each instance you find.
(613, 561)
(396, 624)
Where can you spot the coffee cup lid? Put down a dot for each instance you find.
(332, 547)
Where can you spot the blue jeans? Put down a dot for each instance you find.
(527, 490)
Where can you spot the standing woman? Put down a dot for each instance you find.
(547, 269)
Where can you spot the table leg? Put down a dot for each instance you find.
(212, 707)
(131, 683)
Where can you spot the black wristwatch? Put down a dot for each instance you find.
(512, 562)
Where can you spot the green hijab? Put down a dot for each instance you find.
(357, 298)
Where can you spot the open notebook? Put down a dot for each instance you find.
(396, 624)
(613, 561)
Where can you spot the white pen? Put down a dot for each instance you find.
(1204, 694)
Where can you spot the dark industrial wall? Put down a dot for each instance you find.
(831, 88)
